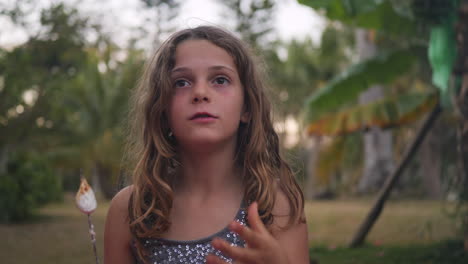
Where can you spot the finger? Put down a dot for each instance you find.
(234, 252)
(212, 259)
(252, 238)
(254, 218)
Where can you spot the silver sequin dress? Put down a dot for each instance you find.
(166, 251)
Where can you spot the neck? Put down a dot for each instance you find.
(208, 171)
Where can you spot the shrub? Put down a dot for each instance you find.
(29, 182)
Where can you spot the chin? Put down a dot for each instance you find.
(204, 142)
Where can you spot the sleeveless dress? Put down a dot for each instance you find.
(167, 251)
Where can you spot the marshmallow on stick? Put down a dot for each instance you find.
(85, 199)
(86, 202)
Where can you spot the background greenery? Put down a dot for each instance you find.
(379, 68)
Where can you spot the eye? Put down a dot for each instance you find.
(221, 80)
(181, 83)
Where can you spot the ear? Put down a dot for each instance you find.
(245, 117)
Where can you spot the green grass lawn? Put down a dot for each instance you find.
(334, 223)
(443, 252)
(407, 232)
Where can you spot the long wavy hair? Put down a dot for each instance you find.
(153, 150)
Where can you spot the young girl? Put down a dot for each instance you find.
(209, 184)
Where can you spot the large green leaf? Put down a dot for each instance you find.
(381, 69)
(370, 14)
(388, 112)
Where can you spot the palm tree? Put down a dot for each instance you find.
(97, 104)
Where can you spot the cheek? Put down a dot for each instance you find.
(233, 97)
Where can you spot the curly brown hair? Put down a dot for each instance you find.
(153, 151)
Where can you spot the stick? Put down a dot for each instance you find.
(93, 237)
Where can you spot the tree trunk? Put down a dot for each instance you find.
(463, 150)
(461, 70)
(463, 161)
(378, 162)
(374, 213)
(378, 145)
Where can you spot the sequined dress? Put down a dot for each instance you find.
(166, 251)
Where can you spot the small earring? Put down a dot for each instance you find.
(170, 134)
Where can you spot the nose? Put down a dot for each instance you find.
(200, 94)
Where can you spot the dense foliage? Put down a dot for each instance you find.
(29, 182)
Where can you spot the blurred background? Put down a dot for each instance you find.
(369, 100)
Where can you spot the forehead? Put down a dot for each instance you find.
(193, 53)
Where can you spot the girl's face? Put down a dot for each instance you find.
(208, 99)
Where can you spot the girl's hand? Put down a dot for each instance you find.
(261, 248)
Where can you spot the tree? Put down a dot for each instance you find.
(29, 117)
(253, 20)
(307, 66)
(67, 98)
(96, 105)
(165, 11)
(376, 14)
(42, 65)
(305, 69)
(378, 147)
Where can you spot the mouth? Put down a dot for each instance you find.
(202, 115)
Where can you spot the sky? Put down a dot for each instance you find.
(121, 18)
(292, 20)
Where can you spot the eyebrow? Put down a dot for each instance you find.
(217, 67)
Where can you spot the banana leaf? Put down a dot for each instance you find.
(386, 113)
(381, 69)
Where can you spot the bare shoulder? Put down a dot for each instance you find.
(121, 199)
(117, 235)
(281, 203)
(282, 212)
(293, 238)
(117, 214)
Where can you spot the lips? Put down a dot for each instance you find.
(201, 115)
